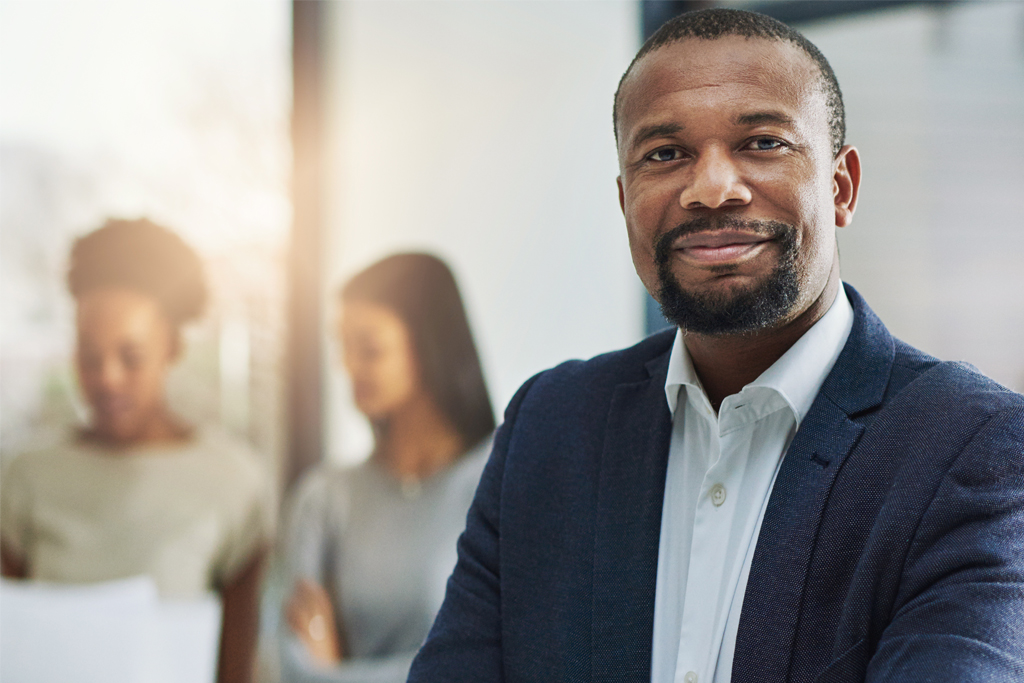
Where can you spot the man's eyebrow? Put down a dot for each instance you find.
(654, 131)
(760, 117)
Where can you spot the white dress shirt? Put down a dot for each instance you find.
(721, 469)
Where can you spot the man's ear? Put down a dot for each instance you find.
(622, 196)
(845, 184)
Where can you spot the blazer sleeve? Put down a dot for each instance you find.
(959, 612)
(464, 643)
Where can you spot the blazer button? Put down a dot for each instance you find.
(717, 498)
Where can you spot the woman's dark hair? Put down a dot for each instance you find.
(144, 257)
(421, 290)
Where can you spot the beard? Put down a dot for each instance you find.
(723, 312)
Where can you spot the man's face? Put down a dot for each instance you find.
(728, 184)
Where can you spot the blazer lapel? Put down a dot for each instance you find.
(778, 573)
(629, 502)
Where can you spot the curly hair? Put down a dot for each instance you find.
(144, 257)
(711, 24)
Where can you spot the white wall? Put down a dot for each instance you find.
(935, 103)
(481, 131)
(173, 110)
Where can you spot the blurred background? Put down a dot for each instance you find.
(175, 111)
(294, 143)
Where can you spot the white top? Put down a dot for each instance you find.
(721, 469)
(189, 514)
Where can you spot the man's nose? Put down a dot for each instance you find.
(715, 183)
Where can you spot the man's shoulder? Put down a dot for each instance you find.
(578, 389)
(949, 387)
(937, 386)
(636, 363)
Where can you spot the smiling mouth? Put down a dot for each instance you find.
(720, 246)
(113, 406)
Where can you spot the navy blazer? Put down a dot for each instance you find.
(892, 547)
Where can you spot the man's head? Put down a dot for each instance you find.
(733, 175)
(712, 24)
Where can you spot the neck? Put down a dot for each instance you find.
(727, 363)
(417, 440)
(162, 427)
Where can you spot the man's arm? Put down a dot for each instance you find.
(959, 615)
(465, 641)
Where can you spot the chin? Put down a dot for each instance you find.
(744, 304)
(728, 286)
(117, 433)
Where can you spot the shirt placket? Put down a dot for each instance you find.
(699, 638)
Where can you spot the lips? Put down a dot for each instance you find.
(720, 246)
(113, 407)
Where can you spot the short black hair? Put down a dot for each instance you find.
(144, 257)
(711, 24)
(420, 289)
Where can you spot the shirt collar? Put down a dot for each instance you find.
(796, 376)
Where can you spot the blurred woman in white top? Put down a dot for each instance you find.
(139, 491)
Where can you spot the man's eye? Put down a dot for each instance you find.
(765, 144)
(664, 154)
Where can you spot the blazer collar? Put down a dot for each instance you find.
(778, 573)
(631, 490)
(860, 376)
(852, 386)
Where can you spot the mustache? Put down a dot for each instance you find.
(769, 229)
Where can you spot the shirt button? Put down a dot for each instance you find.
(690, 677)
(717, 497)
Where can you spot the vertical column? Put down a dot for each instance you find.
(305, 339)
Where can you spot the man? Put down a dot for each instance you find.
(776, 491)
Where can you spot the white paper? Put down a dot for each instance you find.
(191, 636)
(111, 632)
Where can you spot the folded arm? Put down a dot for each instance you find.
(960, 610)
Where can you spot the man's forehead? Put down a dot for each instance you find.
(774, 66)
